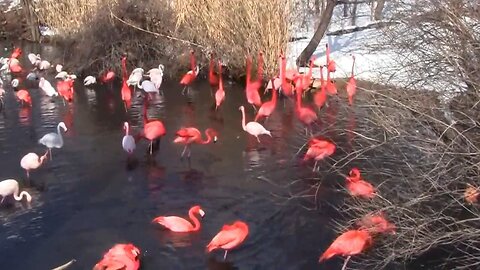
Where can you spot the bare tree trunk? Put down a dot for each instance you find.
(31, 19)
(317, 6)
(379, 10)
(354, 14)
(317, 37)
(323, 6)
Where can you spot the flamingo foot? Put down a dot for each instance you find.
(183, 90)
(225, 255)
(345, 263)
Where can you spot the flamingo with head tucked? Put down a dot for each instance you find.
(152, 128)
(32, 161)
(24, 97)
(306, 115)
(120, 257)
(190, 76)
(178, 224)
(253, 128)
(229, 237)
(190, 135)
(9, 187)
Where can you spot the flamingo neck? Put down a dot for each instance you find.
(220, 80)
(192, 62)
(274, 95)
(243, 120)
(145, 117)
(299, 100)
(260, 68)
(196, 222)
(22, 194)
(328, 54)
(322, 82)
(249, 68)
(209, 137)
(353, 67)
(59, 134)
(210, 66)
(283, 69)
(127, 130)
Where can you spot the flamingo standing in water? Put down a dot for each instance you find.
(9, 187)
(287, 88)
(152, 128)
(306, 115)
(359, 187)
(120, 256)
(268, 107)
(190, 76)
(229, 237)
(351, 84)
(319, 149)
(190, 135)
(220, 93)
(320, 96)
(32, 161)
(65, 89)
(128, 142)
(178, 224)
(213, 78)
(52, 139)
(47, 87)
(331, 88)
(303, 81)
(251, 88)
(349, 243)
(24, 97)
(126, 93)
(253, 128)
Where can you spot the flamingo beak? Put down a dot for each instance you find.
(215, 139)
(201, 212)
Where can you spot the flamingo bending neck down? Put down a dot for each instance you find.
(306, 115)
(10, 187)
(253, 127)
(190, 135)
(229, 237)
(358, 186)
(178, 224)
(32, 161)
(52, 139)
(190, 76)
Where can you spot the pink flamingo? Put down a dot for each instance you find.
(319, 149)
(125, 91)
(178, 224)
(229, 237)
(306, 115)
(190, 135)
(108, 76)
(220, 93)
(331, 88)
(320, 96)
(32, 161)
(213, 78)
(331, 66)
(9, 187)
(359, 187)
(303, 81)
(152, 128)
(287, 88)
(253, 128)
(251, 89)
(268, 107)
(190, 76)
(352, 84)
(24, 97)
(120, 256)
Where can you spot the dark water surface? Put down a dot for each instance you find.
(88, 197)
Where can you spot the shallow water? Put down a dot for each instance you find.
(90, 197)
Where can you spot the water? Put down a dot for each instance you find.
(89, 197)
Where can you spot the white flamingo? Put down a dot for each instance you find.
(89, 80)
(59, 68)
(52, 139)
(253, 127)
(128, 142)
(62, 75)
(156, 76)
(43, 65)
(148, 86)
(10, 187)
(135, 77)
(34, 58)
(47, 87)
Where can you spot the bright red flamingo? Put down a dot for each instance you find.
(359, 187)
(268, 107)
(15, 66)
(320, 96)
(107, 76)
(120, 256)
(229, 237)
(125, 91)
(287, 88)
(190, 135)
(220, 93)
(190, 76)
(377, 223)
(319, 149)
(178, 224)
(152, 128)
(306, 115)
(349, 243)
(331, 66)
(352, 84)
(24, 97)
(331, 88)
(65, 89)
(251, 88)
(16, 53)
(303, 81)
(213, 78)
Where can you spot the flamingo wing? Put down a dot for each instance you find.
(348, 244)
(174, 223)
(361, 188)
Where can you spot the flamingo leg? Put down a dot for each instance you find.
(315, 166)
(125, 106)
(28, 174)
(183, 91)
(189, 152)
(254, 108)
(63, 101)
(345, 263)
(50, 153)
(225, 255)
(183, 152)
(151, 147)
(258, 139)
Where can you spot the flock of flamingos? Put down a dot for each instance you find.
(289, 83)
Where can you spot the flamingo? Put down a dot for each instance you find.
(24, 97)
(47, 87)
(190, 76)
(16, 53)
(15, 66)
(377, 223)
(471, 194)
(251, 88)
(58, 68)
(306, 115)
(120, 256)
(319, 149)
(32, 161)
(152, 128)
(220, 93)
(126, 93)
(61, 75)
(213, 78)
(65, 89)
(253, 128)
(331, 88)
(359, 187)
(34, 58)
(32, 76)
(136, 76)
(268, 107)
(190, 135)
(10, 187)
(128, 142)
(303, 81)
(156, 76)
(44, 65)
(352, 84)
(108, 77)
(331, 66)
(178, 224)
(15, 82)
(320, 96)
(52, 139)
(287, 88)
(349, 243)
(89, 80)
(229, 237)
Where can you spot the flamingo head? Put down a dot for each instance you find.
(125, 126)
(29, 197)
(354, 173)
(192, 52)
(62, 125)
(260, 54)
(161, 67)
(198, 209)
(241, 108)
